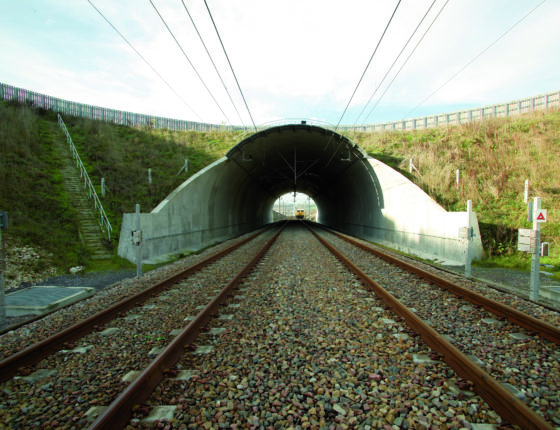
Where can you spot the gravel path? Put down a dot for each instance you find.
(90, 373)
(308, 348)
(529, 366)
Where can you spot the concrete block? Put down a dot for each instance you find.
(160, 413)
(203, 349)
(37, 376)
(131, 376)
(94, 412)
(40, 300)
(185, 375)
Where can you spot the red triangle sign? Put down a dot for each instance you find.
(540, 217)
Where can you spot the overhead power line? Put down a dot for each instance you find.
(394, 62)
(143, 59)
(189, 61)
(359, 82)
(230, 66)
(406, 61)
(368, 63)
(476, 57)
(212, 61)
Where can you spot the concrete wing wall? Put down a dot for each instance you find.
(414, 223)
(211, 206)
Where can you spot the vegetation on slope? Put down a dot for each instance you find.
(32, 189)
(494, 157)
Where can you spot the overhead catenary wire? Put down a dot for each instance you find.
(213, 64)
(359, 82)
(476, 57)
(394, 62)
(368, 64)
(405, 62)
(230, 65)
(144, 59)
(189, 61)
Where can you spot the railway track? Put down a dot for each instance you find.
(501, 397)
(304, 344)
(89, 343)
(46, 347)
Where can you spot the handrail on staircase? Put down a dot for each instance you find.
(104, 221)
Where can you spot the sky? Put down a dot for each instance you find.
(293, 59)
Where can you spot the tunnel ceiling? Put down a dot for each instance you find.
(297, 157)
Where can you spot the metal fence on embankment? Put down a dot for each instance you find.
(516, 107)
(66, 107)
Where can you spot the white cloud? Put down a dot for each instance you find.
(292, 58)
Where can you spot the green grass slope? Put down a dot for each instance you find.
(32, 189)
(494, 157)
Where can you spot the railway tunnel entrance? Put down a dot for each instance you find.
(353, 193)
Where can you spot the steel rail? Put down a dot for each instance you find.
(48, 346)
(528, 322)
(497, 396)
(119, 412)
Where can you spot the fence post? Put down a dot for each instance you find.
(535, 259)
(469, 239)
(138, 242)
(2, 265)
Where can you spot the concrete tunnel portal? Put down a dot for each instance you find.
(354, 193)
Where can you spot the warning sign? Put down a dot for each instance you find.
(541, 215)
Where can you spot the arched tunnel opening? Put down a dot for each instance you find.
(352, 192)
(315, 161)
(300, 205)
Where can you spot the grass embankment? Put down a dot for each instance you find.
(494, 158)
(32, 189)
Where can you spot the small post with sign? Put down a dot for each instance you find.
(466, 233)
(3, 225)
(539, 216)
(469, 239)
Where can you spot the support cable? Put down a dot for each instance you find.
(394, 62)
(143, 59)
(230, 66)
(367, 65)
(189, 61)
(477, 56)
(406, 61)
(212, 61)
(360, 81)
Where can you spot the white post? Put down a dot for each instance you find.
(103, 187)
(2, 293)
(469, 239)
(150, 176)
(410, 165)
(138, 243)
(535, 259)
(526, 199)
(457, 174)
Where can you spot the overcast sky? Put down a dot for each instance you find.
(294, 59)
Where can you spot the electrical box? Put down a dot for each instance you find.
(3, 220)
(544, 249)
